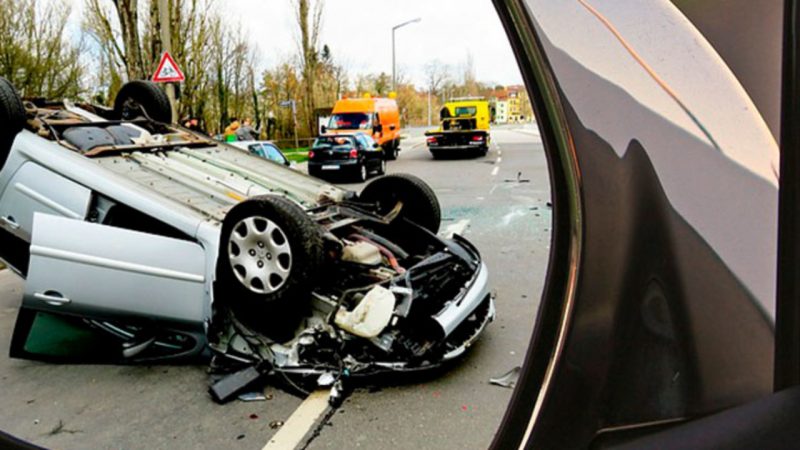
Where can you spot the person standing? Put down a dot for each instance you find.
(231, 130)
(246, 132)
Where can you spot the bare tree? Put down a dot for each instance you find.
(309, 20)
(115, 26)
(35, 53)
(436, 74)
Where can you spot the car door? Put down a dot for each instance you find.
(33, 189)
(139, 282)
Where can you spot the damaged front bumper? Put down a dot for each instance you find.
(457, 310)
(326, 350)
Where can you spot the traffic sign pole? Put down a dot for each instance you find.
(166, 40)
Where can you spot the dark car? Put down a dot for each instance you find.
(354, 155)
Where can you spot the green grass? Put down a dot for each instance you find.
(297, 155)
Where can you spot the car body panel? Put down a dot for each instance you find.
(106, 272)
(90, 174)
(36, 189)
(659, 301)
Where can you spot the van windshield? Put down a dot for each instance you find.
(350, 121)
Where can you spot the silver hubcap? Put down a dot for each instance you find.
(260, 255)
(383, 166)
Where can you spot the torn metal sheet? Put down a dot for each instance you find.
(256, 396)
(508, 379)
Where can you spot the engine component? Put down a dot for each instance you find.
(362, 252)
(372, 314)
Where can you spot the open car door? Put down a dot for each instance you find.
(96, 293)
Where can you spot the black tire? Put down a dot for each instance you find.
(382, 167)
(12, 117)
(391, 150)
(273, 313)
(362, 173)
(420, 204)
(436, 154)
(140, 95)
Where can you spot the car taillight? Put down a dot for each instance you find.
(310, 154)
(432, 140)
(477, 138)
(353, 154)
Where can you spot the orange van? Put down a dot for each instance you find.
(376, 116)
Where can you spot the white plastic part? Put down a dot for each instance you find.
(371, 316)
(363, 253)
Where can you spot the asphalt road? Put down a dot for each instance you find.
(498, 201)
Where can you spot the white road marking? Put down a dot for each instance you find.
(455, 228)
(495, 170)
(480, 198)
(499, 152)
(499, 160)
(493, 189)
(300, 423)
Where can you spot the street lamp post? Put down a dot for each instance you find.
(394, 70)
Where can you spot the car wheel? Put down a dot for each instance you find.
(391, 150)
(270, 251)
(435, 154)
(138, 98)
(12, 116)
(382, 167)
(420, 204)
(362, 173)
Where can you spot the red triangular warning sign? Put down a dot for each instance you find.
(168, 71)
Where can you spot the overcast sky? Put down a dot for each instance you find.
(359, 34)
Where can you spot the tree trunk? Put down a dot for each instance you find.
(127, 10)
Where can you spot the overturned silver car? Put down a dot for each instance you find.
(170, 246)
